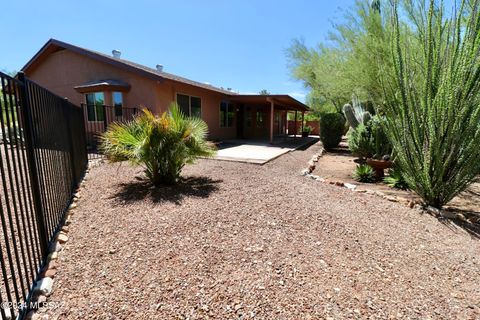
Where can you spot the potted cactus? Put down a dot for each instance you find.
(306, 131)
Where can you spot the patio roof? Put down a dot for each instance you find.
(281, 101)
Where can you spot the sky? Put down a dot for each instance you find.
(238, 44)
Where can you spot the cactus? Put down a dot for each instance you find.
(355, 113)
(350, 115)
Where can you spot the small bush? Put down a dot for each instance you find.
(364, 173)
(161, 144)
(331, 129)
(396, 180)
(307, 129)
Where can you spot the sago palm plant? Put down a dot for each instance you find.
(432, 99)
(162, 144)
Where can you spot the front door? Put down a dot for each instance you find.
(240, 117)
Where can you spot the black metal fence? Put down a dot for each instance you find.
(97, 120)
(42, 159)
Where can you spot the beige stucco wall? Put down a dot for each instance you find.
(61, 71)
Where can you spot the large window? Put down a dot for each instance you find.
(227, 114)
(95, 103)
(191, 106)
(117, 100)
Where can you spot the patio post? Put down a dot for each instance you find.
(272, 106)
(303, 119)
(295, 126)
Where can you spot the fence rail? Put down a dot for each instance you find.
(98, 118)
(42, 159)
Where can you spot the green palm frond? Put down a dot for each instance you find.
(162, 144)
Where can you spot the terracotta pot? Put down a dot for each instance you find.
(379, 166)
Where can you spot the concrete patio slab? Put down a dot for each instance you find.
(260, 151)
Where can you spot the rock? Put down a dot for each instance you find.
(112, 251)
(8, 313)
(68, 221)
(411, 204)
(52, 256)
(350, 186)
(62, 238)
(320, 179)
(44, 286)
(314, 177)
(337, 290)
(50, 273)
(311, 168)
(51, 265)
(55, 247)
(65, 229)
(390, 198)
(72, 206)
(442, 213)
(339, 183)
(305, 172)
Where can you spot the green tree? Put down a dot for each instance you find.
(432, 98)
(350, 63)
(264, 92)
(161, 144)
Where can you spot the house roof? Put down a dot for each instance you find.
(53, 45)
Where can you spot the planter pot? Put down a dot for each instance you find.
(379, 166)
(305, 134)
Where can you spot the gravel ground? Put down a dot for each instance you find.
(247, 241)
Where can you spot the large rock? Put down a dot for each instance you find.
(44, 286)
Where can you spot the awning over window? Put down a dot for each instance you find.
(103, 85)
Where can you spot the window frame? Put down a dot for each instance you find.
(230, 108)
(95, 106)
(115, 107)
(189, 103)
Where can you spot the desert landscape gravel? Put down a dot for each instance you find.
(243, 241)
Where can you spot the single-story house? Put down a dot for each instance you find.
(96, 79)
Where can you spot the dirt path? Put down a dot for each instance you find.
(247, 241)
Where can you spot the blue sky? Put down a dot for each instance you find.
(239, 44)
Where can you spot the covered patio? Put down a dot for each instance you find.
(265, 116)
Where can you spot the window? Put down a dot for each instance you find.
(117, 100)
(191, 106)
(95, 102)
(227, 114)
(261, 119)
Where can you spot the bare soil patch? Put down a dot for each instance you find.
(242, 241)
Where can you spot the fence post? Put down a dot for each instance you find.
(27, 120)
(105, 122)
(70, 144)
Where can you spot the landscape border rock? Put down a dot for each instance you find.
(412, 204)
(43, 287)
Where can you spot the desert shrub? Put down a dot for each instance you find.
(360, 141)
(395, 179)
(331, 129)
(369, 140)
(162, 144)
(432, 100)
(364, 173)
(307, 129)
